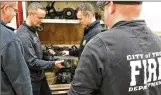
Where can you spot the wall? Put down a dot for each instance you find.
(13, 23)
(152, 15)
(72, 33)
(62, 33)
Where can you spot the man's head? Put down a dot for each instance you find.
(85, 14)
(8, 11)
(36, 14)
(115, 11)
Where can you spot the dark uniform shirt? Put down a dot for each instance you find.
(124, 60)
(89, 33)
(15, 76)
(33, 52)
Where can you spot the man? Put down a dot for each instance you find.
(33, 50)
(15, 76)
(86, 17)
(123, 60)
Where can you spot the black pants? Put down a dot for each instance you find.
(41, 87)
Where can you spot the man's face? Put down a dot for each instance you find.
(83, 19)
(10, 11)
(37, 17)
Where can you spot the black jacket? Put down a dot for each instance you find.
(33, 52)
(89, 33)
(15, 76)
(124, 60)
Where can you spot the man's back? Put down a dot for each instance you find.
(134, 60)
(15, 77)
(125, 60)
(94, 29)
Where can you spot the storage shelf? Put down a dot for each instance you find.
(60, 21)
(59, 89)
(66, 57)
(63, 21)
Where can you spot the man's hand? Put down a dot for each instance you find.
(59, 64)
(65, 52)
(51, 51)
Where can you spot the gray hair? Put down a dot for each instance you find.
(86, 8)
(34, 6)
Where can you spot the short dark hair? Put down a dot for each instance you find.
(85, 8)
(35, 6)
(102, 3)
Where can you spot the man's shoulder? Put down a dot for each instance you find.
(22, 31)
(107, 37)
(98, 28)
(7, 36)
(114, 33)
(108, 34)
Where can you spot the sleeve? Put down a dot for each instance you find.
(16, 68)
(89, 73)
(31, 58)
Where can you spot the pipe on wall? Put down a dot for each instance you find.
(19, 16)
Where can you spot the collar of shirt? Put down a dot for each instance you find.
(129, 23)
(86, 30)
(8, 27)
(31, 28)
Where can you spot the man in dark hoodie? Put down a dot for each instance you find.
(124, 60)
(86, 17)
(33, 51)
(15, 76)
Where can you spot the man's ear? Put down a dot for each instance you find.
(5, 8)
(112, 7)
(29, 13)
(89, 14)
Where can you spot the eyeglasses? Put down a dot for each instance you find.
(103, 5)
(15, 10)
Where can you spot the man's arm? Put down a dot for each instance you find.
(16, 68)
(89, 73)
(31, 58)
